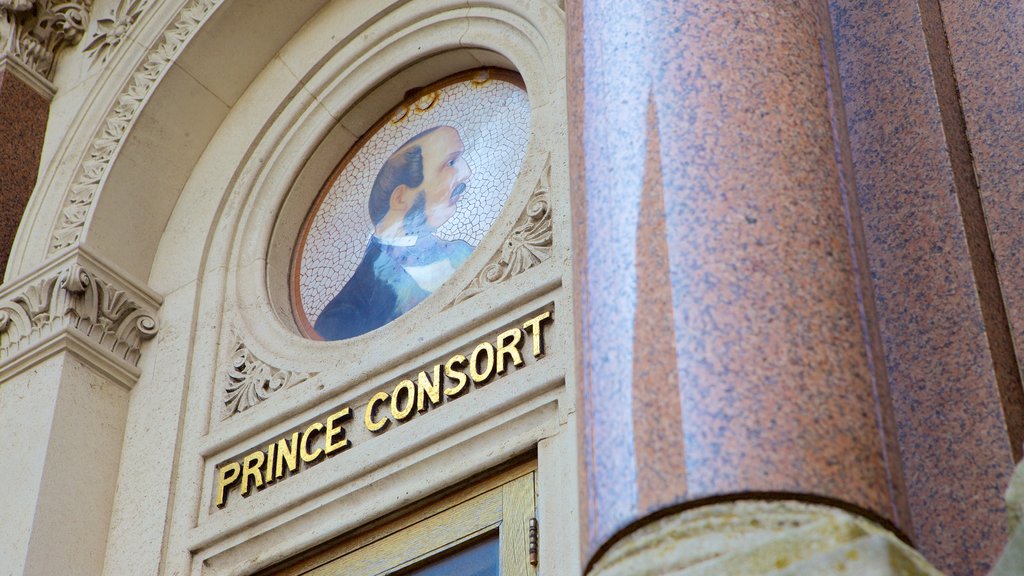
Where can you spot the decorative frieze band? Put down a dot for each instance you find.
(78, 294)
(35, 31)
(526, 246)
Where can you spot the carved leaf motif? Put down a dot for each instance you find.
(39, 29)
(529, 244)
(251, 380)
(111, 31)
(77, 299)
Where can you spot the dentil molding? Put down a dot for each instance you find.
(76, 295)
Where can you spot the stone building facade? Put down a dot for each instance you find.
(758, 282)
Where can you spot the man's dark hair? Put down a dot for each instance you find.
(405, 168)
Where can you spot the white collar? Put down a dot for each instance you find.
(404, 241)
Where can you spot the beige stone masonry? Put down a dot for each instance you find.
(71, 336)
(1012, 560)
(757, 537)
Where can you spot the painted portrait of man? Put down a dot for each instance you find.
(417, 190)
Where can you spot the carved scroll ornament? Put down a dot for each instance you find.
(34, 31)
(250, 380)
(76, 299)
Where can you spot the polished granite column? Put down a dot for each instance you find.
(23, 115)
(723, 343)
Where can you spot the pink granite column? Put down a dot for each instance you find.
(721, 341)
(23, 114)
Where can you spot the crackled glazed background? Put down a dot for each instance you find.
(491, 113)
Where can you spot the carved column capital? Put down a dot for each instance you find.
(33, 32)
(78, 297)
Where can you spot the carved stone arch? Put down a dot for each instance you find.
(190, 142)
(120, 168)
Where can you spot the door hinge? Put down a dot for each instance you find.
(533, 541)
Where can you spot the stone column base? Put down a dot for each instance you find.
(757, 537)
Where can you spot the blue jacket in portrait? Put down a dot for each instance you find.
(382, 288)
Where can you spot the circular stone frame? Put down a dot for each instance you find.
(411, 103)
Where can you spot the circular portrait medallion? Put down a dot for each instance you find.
(408, 204)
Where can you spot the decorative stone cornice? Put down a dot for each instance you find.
(77, 294)
(249, 380)
(528, 245)
(33, 32)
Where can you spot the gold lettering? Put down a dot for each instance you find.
(457, 375)
(533, 326)
(268, 471)
(228, 476)
(287, 454)
(477, 375)
(508, 345)
(401, 414)
(251, 469)
(368, 418)
(330, 446)
(307, 456)
(431, 390)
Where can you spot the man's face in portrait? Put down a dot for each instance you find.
(418, 187)
(445, 173)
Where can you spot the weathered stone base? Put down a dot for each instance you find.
(782, 538)
(1011, 562)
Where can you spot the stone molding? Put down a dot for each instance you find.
(250, 380)
(761, 537)
(78, 296)
(529, 243)
(33, 32)
(124, 109)
(30, 77)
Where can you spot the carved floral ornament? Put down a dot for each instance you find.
(528, 245)
(250, 380)
(77, 299)
(112, 30)
(34, 31)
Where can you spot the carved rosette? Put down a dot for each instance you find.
(35, 31)
(250, 380)
(76, 299)
(528, 245)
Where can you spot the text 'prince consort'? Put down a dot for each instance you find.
(325, 437)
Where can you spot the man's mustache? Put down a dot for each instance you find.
(459, 190)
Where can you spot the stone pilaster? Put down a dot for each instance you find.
(70, 340)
